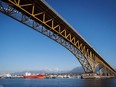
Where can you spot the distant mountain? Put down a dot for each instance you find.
(78, 70)
(41, 71)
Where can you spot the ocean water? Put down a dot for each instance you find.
(58, 82)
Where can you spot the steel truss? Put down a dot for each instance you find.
(86, 61)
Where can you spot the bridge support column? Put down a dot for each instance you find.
(106, 72)
(100, 71)
(109, 73)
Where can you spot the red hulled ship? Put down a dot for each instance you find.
(37, 76)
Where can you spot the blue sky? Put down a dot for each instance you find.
(22, 48)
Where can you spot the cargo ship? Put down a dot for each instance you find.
(37, 76)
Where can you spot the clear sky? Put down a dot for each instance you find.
(22, 48)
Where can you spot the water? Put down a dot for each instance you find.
(57, 82)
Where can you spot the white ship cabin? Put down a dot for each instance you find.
(27, 74)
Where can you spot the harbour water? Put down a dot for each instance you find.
(72, 82)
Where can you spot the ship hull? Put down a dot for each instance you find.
(35, 77)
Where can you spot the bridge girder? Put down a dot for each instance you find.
(34, 15)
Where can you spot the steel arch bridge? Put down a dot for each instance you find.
(38, 15)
